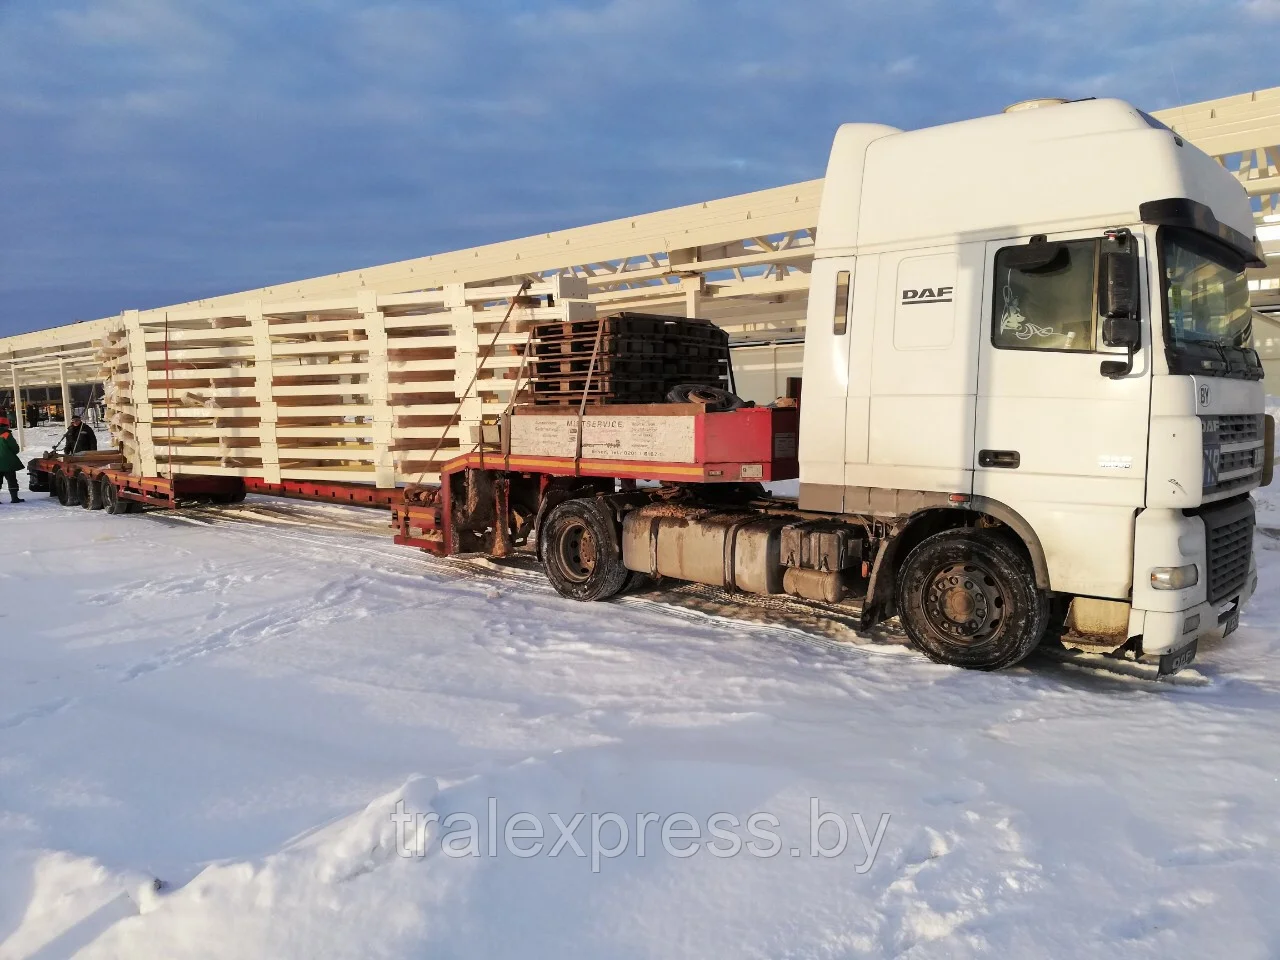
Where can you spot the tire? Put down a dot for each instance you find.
(66, 489)
(716, 398)
(90, 494)
(111, 501)
(580, 551)
(968, 598)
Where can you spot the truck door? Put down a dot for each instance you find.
(1057, 441)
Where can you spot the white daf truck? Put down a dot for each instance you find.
(1029, 406)
(1041, 317)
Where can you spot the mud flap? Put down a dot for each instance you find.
(1179, 659)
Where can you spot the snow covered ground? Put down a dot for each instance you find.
(237, 709)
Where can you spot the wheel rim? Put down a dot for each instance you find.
(576, 551)
(964, 603)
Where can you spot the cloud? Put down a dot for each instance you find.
(1267, 10)
(158, 150)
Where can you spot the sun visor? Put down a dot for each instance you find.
(1184, 212)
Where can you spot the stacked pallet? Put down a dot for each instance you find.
(363, 388)
(625, 358)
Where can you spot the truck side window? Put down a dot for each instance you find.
(1050, 306)
(840, 320)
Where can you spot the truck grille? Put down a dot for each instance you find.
(1238, 427)
(1228, 530)
(1233, 451)
(1232, 460)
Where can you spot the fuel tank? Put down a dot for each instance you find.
(739, 550)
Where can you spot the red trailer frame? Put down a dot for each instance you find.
(745, 445)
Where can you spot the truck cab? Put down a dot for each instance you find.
(1039, 322)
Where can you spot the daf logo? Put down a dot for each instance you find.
(927, 295)
(1204, 395)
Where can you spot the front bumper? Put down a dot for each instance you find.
(1164, 632)
(1168, 620)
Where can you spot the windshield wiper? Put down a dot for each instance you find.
(1198, 347)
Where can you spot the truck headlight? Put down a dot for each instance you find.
(1174, 578)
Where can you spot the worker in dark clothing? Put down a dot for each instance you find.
(80, 437)
(9, 462)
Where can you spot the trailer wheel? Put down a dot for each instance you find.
(66, 489)
(90, 493)
(967, 598)
(111, 501)
(580, 551)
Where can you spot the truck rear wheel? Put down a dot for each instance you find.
(580, 551)
(968, 598)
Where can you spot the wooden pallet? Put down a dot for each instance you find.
(628, 325)
(621, 385)
(662, 366)
(642, 365)
(633, 324)
(627, 345)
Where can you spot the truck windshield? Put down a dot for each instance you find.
(1208, 299)
(1207, 307)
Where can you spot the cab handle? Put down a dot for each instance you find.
(1009, 459)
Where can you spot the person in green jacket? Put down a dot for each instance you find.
(9, 462)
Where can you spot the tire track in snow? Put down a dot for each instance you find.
(692, 603)
(38, 712)
(330, 604)
(774, 618)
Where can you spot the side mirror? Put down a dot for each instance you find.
(1121, 332)
(1118, 293)
(1118, 305)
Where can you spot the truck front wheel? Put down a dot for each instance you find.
(968, 598)
(580, 551)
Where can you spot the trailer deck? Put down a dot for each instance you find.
(667, 443)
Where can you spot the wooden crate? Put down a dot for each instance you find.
(366, 388)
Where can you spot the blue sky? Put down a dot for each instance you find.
(154, 151)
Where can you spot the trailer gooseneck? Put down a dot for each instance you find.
(1029, 408)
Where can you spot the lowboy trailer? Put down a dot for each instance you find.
(1030, 408)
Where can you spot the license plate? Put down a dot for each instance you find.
(1229, 625)
(1179, 659)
